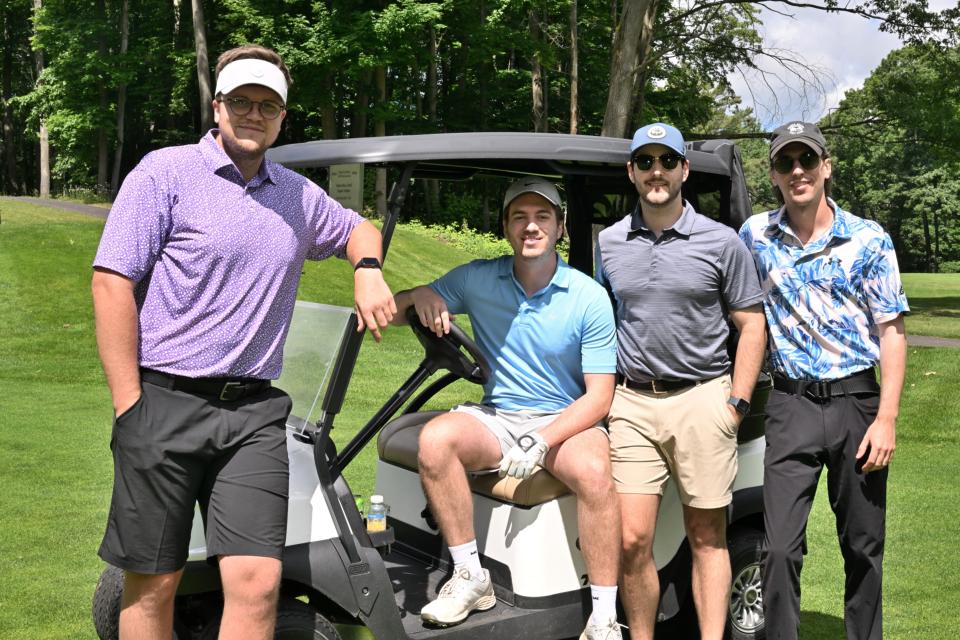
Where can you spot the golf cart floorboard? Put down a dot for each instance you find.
(416, 583)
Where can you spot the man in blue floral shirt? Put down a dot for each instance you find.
(834, 306)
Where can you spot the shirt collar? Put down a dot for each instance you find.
(777, 222)
(216, 158)
(560, 279)
(683, 226)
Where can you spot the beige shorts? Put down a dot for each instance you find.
(690, 434)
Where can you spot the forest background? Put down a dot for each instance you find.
(88, 87)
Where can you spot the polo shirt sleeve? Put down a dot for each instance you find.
(333, 223)
(741, 284)
(598, 344)
(881, 281)
(453, 285)
(138, 225)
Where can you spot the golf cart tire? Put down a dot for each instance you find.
(106, 603)
(745, 620)
(296, 620)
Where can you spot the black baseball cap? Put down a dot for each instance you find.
(804, 132)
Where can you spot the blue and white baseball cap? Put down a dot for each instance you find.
(658, 133)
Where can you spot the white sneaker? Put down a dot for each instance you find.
(458, 597)
(605, 630)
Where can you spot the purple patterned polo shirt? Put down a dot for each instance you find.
(216, 260)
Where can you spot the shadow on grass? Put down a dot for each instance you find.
(815, 625)
(947, 307)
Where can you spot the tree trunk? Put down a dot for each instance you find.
(44, 137)
(121, 101)
(631, 44)
(358, 126)
(102, 150)
(380, 129)
(536, 76)
(574, 71)
(203, 67)
(328, 111)
(432, 78)
(9, 184)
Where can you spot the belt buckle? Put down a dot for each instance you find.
(659, 392)
(818, 390)
(226, 393)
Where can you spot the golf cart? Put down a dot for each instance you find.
(334, 570)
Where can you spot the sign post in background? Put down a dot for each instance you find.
(346, 185)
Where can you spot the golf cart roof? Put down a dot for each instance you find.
(460, 155)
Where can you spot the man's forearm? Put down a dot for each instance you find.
(365, 242)
(117, 331)
(893, 365)
(750, 349)
(584, 412)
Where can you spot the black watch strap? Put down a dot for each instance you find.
(367, 263)
(741, 405)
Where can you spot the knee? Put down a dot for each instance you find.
(150, 592)
(594, 481)
(707, 536)
(637, 544)
(254, 585)
(436, 446)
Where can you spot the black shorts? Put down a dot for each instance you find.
(172, 449)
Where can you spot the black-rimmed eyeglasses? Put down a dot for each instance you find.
(240, 106)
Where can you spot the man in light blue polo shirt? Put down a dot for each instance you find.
(548, 332)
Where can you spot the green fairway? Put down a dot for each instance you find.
(934, 304)
(56, 469)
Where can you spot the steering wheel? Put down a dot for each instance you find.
(455, 351)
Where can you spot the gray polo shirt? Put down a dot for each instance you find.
(672, 294)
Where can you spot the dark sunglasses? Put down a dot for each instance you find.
(809, 160)
(240, 106)
(668, 161)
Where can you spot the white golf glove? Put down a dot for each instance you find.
(530, 451)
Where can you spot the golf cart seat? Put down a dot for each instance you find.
(398, 444)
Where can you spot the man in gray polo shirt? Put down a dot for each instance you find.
(675, 276)
(193, 289)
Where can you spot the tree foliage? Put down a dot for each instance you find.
(897, 147)
(369, 67)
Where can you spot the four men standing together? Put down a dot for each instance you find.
(189, 364)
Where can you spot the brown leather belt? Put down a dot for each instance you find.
(657, 386)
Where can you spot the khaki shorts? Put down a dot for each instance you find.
(689, 434)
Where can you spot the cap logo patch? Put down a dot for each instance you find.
(657, 132)
(796, 128)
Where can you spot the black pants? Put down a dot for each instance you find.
(803, 435)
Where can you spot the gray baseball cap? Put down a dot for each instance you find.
(804, 132)
(532, 184)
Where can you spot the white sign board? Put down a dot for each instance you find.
(346, 185)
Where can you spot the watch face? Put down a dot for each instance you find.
(367, 263)
(525, 442)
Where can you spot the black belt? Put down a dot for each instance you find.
(656, 386)
(226, 389)
(861, 382)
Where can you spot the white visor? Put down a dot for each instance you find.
(252, 71)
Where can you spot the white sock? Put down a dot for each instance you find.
(604, 603)
(467, 556)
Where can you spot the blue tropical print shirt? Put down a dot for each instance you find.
(824, 300)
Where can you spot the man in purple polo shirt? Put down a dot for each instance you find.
(194, 286)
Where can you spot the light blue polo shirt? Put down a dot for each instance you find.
(825, 299)
(538, 347)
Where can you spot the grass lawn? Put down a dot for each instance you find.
(56, 471)
(934, 304)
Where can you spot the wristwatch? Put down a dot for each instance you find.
(367, 263)
(741, 405)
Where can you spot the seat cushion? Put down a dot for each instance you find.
(398, 443)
